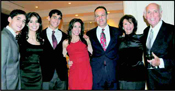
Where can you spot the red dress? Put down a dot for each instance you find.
(80, 73)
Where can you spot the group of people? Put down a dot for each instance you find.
(105, 58)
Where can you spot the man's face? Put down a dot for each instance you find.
(101, 17)
(17, 23)
(54, 21)
(153, 14)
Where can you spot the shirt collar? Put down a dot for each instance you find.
(50, 30)
(11, 30)
(106, 28)
(157, 27)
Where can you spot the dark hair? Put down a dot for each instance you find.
(17, 12)
(129, 18)
(102, 7)
(58, 12)
(71, 25)
(25, 31)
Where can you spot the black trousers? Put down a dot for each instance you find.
(55, 84)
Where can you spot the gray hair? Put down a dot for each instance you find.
(160, 8)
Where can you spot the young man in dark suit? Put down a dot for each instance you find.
(104, 40)
(10, 67)
(53, 64)
(159, 39)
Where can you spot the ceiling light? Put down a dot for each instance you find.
(90, 22)
(108, 12)
(36, 7)
(76, 15)
(69, 3)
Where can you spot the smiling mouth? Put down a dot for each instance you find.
(76, 32)
(152, 19)
(34, 27)
(129, 29)
(20, 27)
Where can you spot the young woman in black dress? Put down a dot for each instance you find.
(30, 44)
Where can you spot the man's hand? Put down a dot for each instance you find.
(155, 61)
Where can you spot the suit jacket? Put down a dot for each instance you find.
(53, 59)
(10, 71)
(163, 47)
(99, 70)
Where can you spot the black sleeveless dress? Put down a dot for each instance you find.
(31, 78)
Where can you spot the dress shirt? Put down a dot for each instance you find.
(57, 34)
(155, 32)
(11, 30)
(106, 32)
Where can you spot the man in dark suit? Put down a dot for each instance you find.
(159, 41)
(53, 64)
(105, 51)
(10, 67)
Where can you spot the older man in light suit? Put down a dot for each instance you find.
(10, 71)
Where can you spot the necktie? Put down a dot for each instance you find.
(150, 40)
(16, 38)
(103, 39)
(54, 40)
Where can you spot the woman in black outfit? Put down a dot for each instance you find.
(31, 49)
(131, 68)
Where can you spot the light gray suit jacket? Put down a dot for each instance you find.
(10, 67)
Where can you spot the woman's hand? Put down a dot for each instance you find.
(70, 63)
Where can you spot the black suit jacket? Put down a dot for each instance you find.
(53, 59)
(99, 56)
(163, 47)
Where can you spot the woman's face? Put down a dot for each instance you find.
(33, 24)
(76, 29)
(128, 26)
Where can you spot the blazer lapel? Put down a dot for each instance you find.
(112, 38)
(159, 40)
(12, 37)
(46, 38)
(96, 39)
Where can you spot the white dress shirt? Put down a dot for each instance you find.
(155, 32)
(107, 34)
(57, 34)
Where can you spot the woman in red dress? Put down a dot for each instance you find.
(80, 73)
